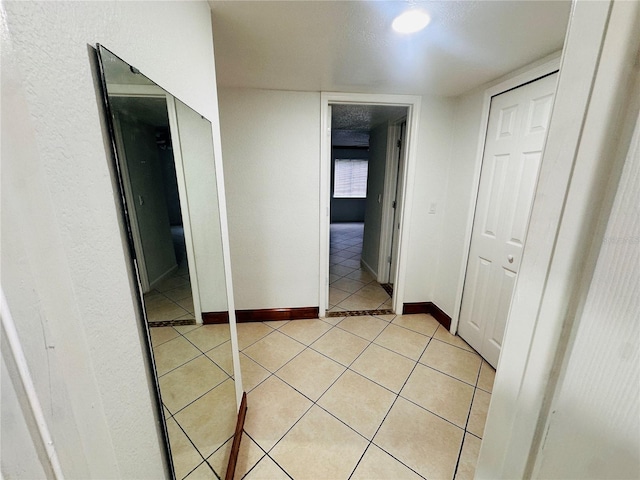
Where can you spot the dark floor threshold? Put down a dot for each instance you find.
(388, 287)
(359, 313)
(172, 323)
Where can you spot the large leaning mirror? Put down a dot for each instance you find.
(167, 176)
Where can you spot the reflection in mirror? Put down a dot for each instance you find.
(165, 162)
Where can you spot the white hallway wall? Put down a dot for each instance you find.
(431, 183)
(255, 129)
(451, 245)
(271, 154)
(595, 416)
(63, 260)
(270, 150)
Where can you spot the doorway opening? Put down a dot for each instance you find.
(367, 157)
(143, 136)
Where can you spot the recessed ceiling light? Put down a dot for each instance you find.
(411, 21)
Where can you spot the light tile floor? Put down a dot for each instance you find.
(351, 287)
(195, 374)
(171, 299)
(338, 398)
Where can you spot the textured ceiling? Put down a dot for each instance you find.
(348, 46)
(350, 124)
(363, 117)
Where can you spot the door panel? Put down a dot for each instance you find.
(480, 272)
(495, 190)
(516, 131)
(395, 238)
(525, 186)
(496, 323)
(540, 112)
(507, 122)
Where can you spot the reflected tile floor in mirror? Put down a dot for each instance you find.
(171, 299)
(195, 374)
(339, 398)
(351, 287)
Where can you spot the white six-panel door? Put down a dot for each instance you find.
(516, 132)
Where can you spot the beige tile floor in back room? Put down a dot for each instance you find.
(364, 397)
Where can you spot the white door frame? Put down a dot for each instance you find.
(542, 68)
(390, 181)
(413, 118)
(184, 205)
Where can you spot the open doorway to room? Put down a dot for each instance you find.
(141, 125)
(367, 155)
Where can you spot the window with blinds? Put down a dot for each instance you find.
(350, 178)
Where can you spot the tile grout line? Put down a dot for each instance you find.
(447, 374)
(389, 411)
(467, 422)
(308, 345)
(455, 378)
(199, 397)
(314, 403)
(291, 359)
(216, 363)
(171, 300)
(354, 371)
(331, 385)
(265, 336)
(359, 460)
(194, 447)
(199, 350)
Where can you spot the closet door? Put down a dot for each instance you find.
(516, 133)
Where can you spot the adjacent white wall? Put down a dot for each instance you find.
(430, 180)
(457, 206)
(271, 149)
(262, 138)
(196, 145)
(595, 419)
(20, 457)
(64, 268)
(270, 142)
